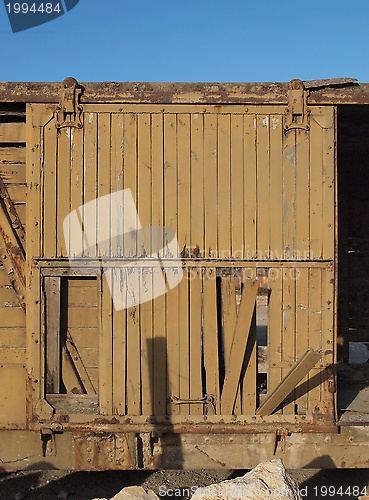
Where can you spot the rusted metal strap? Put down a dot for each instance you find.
(11, 245)
(207, 399)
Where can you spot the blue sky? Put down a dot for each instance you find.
(192, 40)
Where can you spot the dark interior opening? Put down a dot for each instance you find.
(353, 263)
(353, 229)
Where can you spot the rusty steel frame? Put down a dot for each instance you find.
(81, 450)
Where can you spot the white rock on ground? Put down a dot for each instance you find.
(268, 480)
(133, 493)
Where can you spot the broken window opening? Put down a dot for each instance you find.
(71, 337)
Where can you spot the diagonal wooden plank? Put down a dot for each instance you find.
(11, 248)
(80, 368)
(238, 348)
(290, 381)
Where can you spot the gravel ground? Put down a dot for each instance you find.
(54, 485)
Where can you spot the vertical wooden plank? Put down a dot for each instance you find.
(50, 199)
(316, 190)
(130, 173)
(146, 327)
(106, 347)
(134, 350)
(224, 186)
(196, 391)
(35, 119)
(249, 205)
(172, 297)
(159, 357)
(197, 181)
(53, 357)
(229, 321)
(229, 313)
(262, 187)
(77, 182)
(289, 193)
(210, 336)
(241, 348)
(248, 380)
(275, 327)
(104, 249)
(328, 340)
(144, 210)
(184, 342)
(117, 151)
(210, 185)
(237, 181)
(103, 184)
(184, 184)
(329, 162)
(289, 326)
(119, 316)
(63, 191)
(90, 177)
(276, 186)
(302, 195)
(302, 331)
(315, 335)
(183, 235)
(119, 348)
(158, 347)
(133, 318)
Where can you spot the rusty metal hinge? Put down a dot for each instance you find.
(70, 111)
(297, 112)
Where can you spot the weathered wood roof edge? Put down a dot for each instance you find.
(320, 92)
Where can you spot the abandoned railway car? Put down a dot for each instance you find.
(183, 278)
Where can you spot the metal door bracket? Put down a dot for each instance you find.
(207, 399)
(70, 111)
(297, 112)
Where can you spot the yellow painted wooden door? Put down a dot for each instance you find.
(249, 280)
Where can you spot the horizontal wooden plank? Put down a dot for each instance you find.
(84, 337)
(7, 297)
(82, 282)
(13, 395)
(12, 316)
(89, 356)
(13, 355)
(13, 337)
(21, 211)
(12, 132)
(82, 403)
(81, 316)
(17, 192)
(13, 173)
(86, 296)
(12, 155)
(4, 279)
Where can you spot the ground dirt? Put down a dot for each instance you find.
(55, 484)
